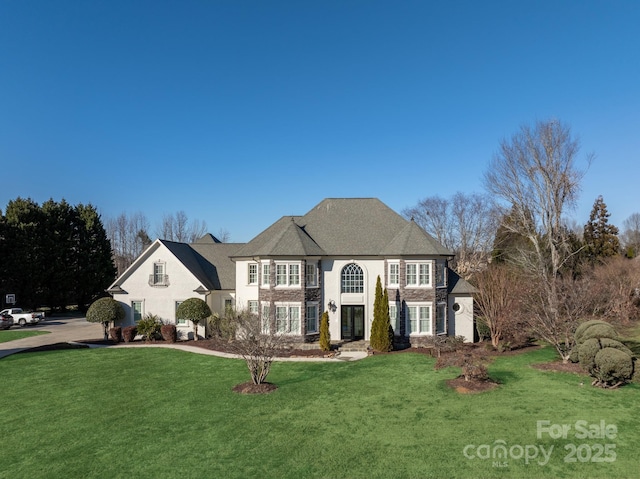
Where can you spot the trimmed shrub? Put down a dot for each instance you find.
(116, 334)
(613, 367)
(325, 334)
(169, 333)
(599, 331)
(587, 354)
(194, 310)
(149, 327)
(574, 356)
(129, 333)
(105, 311)
(602, 327)
(589, 349)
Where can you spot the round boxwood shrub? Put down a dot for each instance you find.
(613, 367)
(598, 331)
(589, 349)
(105, 311)
(583, 327)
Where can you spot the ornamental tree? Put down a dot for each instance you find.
(194, 310)
(105, 311)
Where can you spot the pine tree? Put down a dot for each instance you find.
(325, 334)
(600, 238)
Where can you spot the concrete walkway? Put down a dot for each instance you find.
(65, 330)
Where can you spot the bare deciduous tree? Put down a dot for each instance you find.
(178, 227)
(631, 235)
(497, 299)
(465, 224)
(129, 237)
(535, 175)
(256, 341)
(223, 235)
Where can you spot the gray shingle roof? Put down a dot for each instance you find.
(283, 238)
(215, 263)
(344, 227)
(458, 285)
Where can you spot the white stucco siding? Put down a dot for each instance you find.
(331, 279)
(159, 300)
(462, 320)
(245, 292)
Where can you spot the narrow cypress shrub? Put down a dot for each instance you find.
(375, 340)
(381, 332)
(325, 334)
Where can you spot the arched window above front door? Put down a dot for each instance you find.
(352, 279)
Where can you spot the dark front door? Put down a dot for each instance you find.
(352, 321)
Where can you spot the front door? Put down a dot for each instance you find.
(352, 321)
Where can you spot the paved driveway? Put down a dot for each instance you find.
(62, 330)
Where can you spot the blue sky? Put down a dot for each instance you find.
(239, 112)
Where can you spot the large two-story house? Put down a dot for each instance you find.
(300, 266)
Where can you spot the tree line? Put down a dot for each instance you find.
(53, 254)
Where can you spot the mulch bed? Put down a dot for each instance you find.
(558, 366)
(54, 347)
(250, 388)
(471, 387)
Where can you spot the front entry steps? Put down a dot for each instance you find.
(352, 346)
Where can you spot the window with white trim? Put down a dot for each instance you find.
(253, 307)
(394, 274)
(136, 309)
(288, 274)
(394, 317)
(266, 274)
(418, 275)
(253, 273)
(266, 321)
(287, 319)
(419, 318)
(311, 317)
(311, 275)
(179, 321)
(441, 315)
(159, 276)
(441, 273)
(352, 279)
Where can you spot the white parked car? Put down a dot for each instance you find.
(21, 317)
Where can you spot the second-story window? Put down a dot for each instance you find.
(253, 273)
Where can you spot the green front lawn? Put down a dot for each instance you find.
(12, 335)
(166, 413)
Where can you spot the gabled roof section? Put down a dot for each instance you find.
(283, 238)
(216, 262)
(208, 261)
(413, 240)
(458, 285)
(193, 261)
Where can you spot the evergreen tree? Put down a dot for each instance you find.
(93, 263)
(600, 238)
(380, 339)
(325, 334)
(387, 321)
